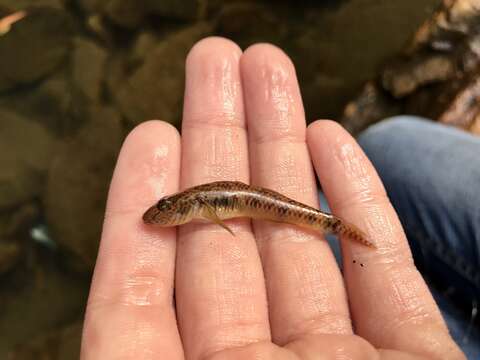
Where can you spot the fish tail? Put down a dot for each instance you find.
(343, 228)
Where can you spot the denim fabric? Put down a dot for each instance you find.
(432, 175)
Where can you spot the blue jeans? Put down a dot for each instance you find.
(432, 176)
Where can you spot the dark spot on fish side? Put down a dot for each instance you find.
(361, 264)
(336, 225)
(224, 201)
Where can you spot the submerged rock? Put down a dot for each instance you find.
(49, 103)
(145, 42)
(250, 22)
(462, 109)
(59, 101)
(371, 106)
(130, 13)
(443, 30)
(26, 150)
(88, 66)
(438, 74)
(78, 183)
(34, 47)
(16, 5)
(37, 300)
(15, 225)
(63, 344)
(404, 77)
(9, 254)
(155, 89)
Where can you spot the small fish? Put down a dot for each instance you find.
(222, 200)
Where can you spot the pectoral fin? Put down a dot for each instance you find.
(222, 224)
(213, 217)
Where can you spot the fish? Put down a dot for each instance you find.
(222, 200)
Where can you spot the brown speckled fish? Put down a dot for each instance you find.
(221, 200)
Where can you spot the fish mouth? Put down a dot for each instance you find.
(150, 215)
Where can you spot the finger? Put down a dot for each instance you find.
(130, 313)
(304, 285)
(390, 303)
(220, 290)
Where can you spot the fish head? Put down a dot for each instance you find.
(162, 213)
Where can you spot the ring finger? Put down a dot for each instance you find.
(304, 285)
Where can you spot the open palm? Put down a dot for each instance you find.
(273, 291)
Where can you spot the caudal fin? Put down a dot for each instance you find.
(341, 227)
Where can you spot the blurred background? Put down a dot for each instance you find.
(77, 75)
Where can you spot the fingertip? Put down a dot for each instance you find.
(150, 130)
(266, 56)
(272, 95)
(213, 92)
(333, 146)
(264, 49)
(324, 123)
(325, 129)
(149, 153)
(259, 46)
(211, 48)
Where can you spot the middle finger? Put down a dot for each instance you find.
(221, 301)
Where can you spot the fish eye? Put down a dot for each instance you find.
(164, 204)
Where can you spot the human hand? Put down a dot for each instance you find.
(273, 291)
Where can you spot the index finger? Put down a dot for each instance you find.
(130, 313)
(390, 303)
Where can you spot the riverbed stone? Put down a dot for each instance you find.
(45, 37)
(17, 5)
(88, 65)
(26, 150)
(39, 300)
(131, 13)
(15, 225)
(154, 90)
(62, 344)
(9, 255)
(436, 75)
(49, 103)
(404, 77)
(250, 22)
(372, 105)
(78, 183)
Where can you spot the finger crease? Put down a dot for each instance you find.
(278, 139)
(219, 121)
